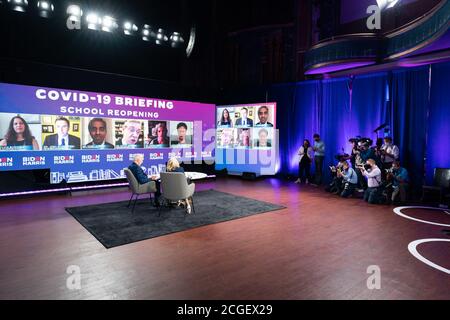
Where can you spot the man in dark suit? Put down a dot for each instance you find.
(263, 115)
(98, 130)
(62, 139)
(142, 178)
(243, 121)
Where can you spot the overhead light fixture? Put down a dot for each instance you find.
(45, 8)
(161, 37)
(387, 4)
(176, 40)
(109, 24)
(147, 33)
(18, 5)
(130, 28)
(94, 21)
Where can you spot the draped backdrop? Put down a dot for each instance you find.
(413, 104)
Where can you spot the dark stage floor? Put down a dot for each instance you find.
(318, 248)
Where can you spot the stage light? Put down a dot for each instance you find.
(94, 21)
(386, 4)
(129, 28)
(45, 8)
(18, 5)
(147, 32)
(161, 37)
(176, 40)
(109, 24)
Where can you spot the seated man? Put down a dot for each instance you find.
(142, 178)
(400, 181)
(372, 193)
(350, 180)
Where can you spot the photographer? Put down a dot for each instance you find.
(335, 186)
(352, 156)
(400, 181)
(373, 174)
(389, 153)
(363, 153)
(350, 179)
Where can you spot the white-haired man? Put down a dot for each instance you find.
(142, 178)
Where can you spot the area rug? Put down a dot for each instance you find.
(113, 224)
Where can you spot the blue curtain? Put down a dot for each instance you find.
(333, 118)
(283, 95)
(438, 141)
(416, 117)
(410, 95)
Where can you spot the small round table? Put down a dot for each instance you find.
(190, 174)
(195, 175)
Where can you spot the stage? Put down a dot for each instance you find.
(320, 247)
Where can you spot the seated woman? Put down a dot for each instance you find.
(174, 166)
(19, 136)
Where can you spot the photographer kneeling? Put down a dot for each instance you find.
(373, 174)
(400, 181)
(335, 186)
(350, 179)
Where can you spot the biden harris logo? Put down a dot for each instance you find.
(63, 159)
(156, 156)
(33, 161)
(90, 158)
(117, 157)
(6, 162)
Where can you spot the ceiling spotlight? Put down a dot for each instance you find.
(18, 5)
(147, 33)
(129, 28)
(176, 39)
(94, 21)
(161, 37)
(45, 8)
(109, 24)
(386, 4)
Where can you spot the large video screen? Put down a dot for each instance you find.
(246, 138)
(87, 136)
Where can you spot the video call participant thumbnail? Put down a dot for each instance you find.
(244, 121)
(131, 135)
(62, 139)
(244, 138)
(183, 137)
(263, 116)
(158, 135)
(98, 130)
(225, 138)
(263, 140)
(18, 136)
(225, 119)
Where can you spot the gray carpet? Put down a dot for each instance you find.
(113, 224)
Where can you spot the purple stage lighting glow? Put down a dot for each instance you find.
(338, 67)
